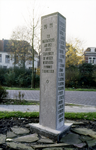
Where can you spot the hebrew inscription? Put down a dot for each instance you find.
(48, 54)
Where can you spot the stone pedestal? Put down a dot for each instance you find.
(50, 133)
(52, 75)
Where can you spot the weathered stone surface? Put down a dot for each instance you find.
(74, 122)
(85, 138)
(53, 148)
(11, 134)
(71, 138)
(27, 138)
(89, 140)
(45, 140)
(19, 130)
(69, 148)
(91, 143)
(2, 138)
(49, 145)
(85, 131)
(81, 145)
(18, 146)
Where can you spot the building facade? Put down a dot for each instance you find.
(7, 55)
(90, 55)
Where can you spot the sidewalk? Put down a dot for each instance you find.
(35, 108)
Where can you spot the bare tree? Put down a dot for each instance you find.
(33, 25)
(18, 46)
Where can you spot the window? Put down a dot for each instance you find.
(0, 57)
(92, 60)
(5, 67)
(7, 59)
(88, 50)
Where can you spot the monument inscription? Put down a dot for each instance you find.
(52, 76)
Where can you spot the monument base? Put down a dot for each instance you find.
(48, 132)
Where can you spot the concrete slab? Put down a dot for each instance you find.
(18, 146)
(27, 138)
(19, 130)
(51, 133)
(35, 108)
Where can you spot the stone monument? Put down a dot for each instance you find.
(52, 76)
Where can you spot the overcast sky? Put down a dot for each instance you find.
(80, 16)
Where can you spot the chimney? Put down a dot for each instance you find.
(3, 45)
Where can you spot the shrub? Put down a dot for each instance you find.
(18, 77)
(3, 93)
(23, 80)
(83, 76)
(94, 78)
(10, 78)
(71, 77)
(37, 81)
(86, 78)
(2, 77)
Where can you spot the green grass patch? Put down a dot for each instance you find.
(83, 116)
(66, 89)
(70, 104)
(17, 88)
(18, 102)
(87, 116)
(79, 89)
(18, 114)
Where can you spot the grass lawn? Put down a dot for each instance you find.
(79, 89)
(16, 88)
(18, 114)
(84, 116)
(66, 89)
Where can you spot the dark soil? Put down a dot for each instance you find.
(6, 124)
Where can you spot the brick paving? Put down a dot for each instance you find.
(28, 94)
(74, 97)
(81, 97)
(87, 100)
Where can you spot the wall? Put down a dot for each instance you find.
(11, 62)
